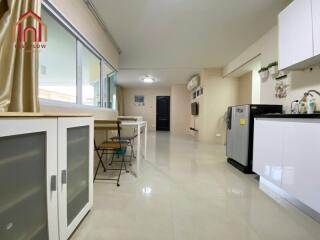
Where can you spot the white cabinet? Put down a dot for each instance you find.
(39, 199)
(286, 152)
(28, 179)
(295, 34)
(316, 26)
(268, 150)
(301, 163)
(75, 163)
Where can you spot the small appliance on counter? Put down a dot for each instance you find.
(240, 127)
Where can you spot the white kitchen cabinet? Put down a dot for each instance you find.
(301, 163)
(46, 167)
(295, 34)
(268, 150)
(286, 153)
(316, 26)
(75, 141)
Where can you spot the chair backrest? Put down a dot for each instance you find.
(109, 125)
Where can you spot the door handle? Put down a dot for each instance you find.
(53, 183)
(64, 177)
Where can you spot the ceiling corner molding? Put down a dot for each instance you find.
(101, 22)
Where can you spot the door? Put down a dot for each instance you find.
(316, 26)
(163, 113)
(75, 171)
(295, 33)
(28, 170)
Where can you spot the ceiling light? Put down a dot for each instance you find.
(147, 191)
(148, 79)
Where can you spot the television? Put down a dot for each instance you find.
(194, 108)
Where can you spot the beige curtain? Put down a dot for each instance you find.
(18, 66)
(120, 101)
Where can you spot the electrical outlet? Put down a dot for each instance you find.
(218, 135)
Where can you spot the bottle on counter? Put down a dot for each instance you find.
(311, 105)
(302, 107)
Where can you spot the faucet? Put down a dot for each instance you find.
(308, 93)
(296, 109)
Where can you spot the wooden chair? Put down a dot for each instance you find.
(116, 146)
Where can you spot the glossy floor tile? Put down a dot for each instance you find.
(189, 192)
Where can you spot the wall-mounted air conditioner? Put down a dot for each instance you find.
(193, 83)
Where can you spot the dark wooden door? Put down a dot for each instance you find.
(163, 113)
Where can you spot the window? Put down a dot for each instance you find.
(57, 69)
(112, 90)
(90, 70)
(71, 70)
(106, 73)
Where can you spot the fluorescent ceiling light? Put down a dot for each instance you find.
(148, 80)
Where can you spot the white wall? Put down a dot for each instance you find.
(180, 110)
(245, 89)
(256, 88)
(299, 82)
(77, 12)
(148, 111)
(218, 94)
(100, 114)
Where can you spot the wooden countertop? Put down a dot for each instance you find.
(43, 114)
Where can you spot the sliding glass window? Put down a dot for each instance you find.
(58, 61)
(112, 91)
(107, 73)
(90, 72)
(71, 70)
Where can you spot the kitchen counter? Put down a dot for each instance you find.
(286, 157)
(43, 114)
(278, 115)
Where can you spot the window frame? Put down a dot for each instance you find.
(80, 49)
(81, 42)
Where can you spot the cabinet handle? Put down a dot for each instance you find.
(53, 184)
(64, 176)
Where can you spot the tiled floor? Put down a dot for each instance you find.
(189, 192)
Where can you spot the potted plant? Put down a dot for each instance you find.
(264, 73)
(273, 68)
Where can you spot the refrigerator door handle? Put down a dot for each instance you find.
(229, 118)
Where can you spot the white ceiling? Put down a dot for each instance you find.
(163, 77)
(177, 35)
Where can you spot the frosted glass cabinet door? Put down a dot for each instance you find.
(27, 173)
(75, 167)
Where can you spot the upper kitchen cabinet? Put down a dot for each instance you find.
(296, 34)
(316, 25)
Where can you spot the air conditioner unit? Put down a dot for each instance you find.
(193, 83)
